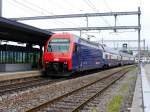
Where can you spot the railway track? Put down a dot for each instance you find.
(20, 84)
(19, 80)
(16, 85)
(77, 99)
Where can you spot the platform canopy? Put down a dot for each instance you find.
(14, 31)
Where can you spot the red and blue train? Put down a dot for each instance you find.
(65, 53)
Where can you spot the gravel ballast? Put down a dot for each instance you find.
(124, 89)
(25, 100)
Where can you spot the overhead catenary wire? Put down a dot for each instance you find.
(105, 2)
(22, 8)
(51, 14)
(70, 4)
(66, 10)
(42, 10)
(93, 7)
(37, 7)
(140, 3)
(28, 7)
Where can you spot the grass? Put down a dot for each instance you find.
(94, 109)
(124, 88)
(115, 104)
(132, 78)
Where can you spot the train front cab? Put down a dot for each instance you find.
(57, 55)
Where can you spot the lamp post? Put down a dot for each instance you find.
(0, 8)
(139, 40)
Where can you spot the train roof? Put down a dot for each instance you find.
(113, 51)
(78, 39)
(125, 54)
(110, 50)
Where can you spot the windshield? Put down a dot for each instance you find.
(59, 45)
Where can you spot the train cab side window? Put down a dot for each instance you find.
(76, 48)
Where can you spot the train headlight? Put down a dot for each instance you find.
(56, 59)
(47, 62)
(65, 62)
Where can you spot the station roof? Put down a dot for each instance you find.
(14, 31)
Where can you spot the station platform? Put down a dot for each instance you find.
(141, 99)
(16, 75)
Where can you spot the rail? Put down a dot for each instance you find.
(104, 83)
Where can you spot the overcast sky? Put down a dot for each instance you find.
(26, 8)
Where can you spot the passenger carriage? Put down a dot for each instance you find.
(111, 57)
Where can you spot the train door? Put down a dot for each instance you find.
(76, 58)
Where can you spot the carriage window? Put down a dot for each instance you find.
(106, 56)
